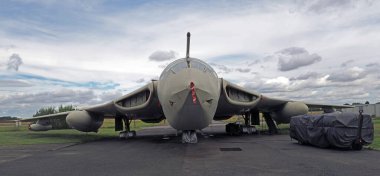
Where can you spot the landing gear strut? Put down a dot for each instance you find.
(127, 133)
(272, 128)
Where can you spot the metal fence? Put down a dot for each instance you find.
(10, 123)
(371, 109)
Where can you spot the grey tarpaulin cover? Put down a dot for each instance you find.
(331, 129)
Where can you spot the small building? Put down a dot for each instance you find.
(372, 109)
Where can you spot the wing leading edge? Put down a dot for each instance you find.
(140, 104)
(234, 101)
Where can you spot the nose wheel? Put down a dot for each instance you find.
(189, 136)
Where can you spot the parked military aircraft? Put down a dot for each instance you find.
(189, 95)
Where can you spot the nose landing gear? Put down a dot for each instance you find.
(189, 136)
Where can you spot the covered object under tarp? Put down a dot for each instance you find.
(335, 129)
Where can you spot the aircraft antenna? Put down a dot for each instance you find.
(188, 49)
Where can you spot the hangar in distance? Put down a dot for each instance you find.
(189, 95)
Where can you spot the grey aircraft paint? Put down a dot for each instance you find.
(189, 95)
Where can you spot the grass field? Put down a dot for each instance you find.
(21, 135)
(376, 141)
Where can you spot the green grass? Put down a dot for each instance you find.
(21, 135)
(376, 141)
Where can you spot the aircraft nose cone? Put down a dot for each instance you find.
(187, 99)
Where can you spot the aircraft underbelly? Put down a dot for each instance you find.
(189, 116)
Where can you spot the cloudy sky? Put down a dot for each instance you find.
(90, 51)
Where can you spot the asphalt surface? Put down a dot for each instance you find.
(157, 151)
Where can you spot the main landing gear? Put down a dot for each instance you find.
(127, 133)
(272, 128)
(251, 118)
(238, 129)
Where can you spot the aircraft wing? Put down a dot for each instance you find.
(324, 106)
(57, 115)
(48, 122)
(267, 103)
(140, 104)
(236, 100)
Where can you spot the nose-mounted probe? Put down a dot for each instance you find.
(188, 50)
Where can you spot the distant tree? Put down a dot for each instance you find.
(66, 108)
(52, 110)
(346, 104)
(45, 111)
(356, 103)
(367, 102)
(8, 118)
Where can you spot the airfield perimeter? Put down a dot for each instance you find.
(157, 151)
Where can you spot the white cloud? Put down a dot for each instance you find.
(14, 62)
(320, 6)
(306, 76)
(30, 102)
(346, 63)
(243, 70)
(88, 42)
(221, 68)
(15, 83)
(279, 80)
(295, 57)
(351, 74)
(163, 55)
(141, 80)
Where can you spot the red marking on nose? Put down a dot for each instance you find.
(192, 87)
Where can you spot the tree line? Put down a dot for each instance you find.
(357, 103)
(8, 118)
(52, 110)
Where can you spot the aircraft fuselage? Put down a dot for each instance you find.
(189, 94)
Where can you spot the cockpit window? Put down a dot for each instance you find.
(180, 64)
(179, 67)
(198, 65)
(202, 66)
(174, 67)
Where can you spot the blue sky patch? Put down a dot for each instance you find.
(52, 81)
